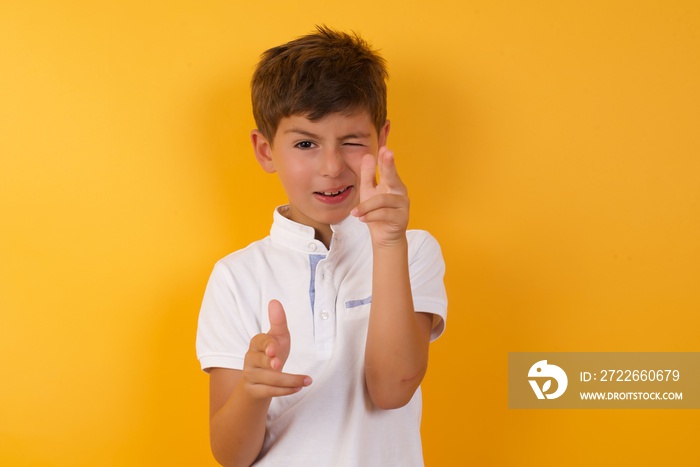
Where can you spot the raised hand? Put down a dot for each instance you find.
(266, 356)
(383, 205)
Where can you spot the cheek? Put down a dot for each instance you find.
(294, 175)
(353, 159)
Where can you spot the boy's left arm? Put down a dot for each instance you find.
(396, 355)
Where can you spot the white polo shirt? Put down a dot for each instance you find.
(326, 294)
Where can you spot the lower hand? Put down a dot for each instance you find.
(262, 370)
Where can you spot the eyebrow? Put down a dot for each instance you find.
(308, 134)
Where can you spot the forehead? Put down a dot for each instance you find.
(335, 125)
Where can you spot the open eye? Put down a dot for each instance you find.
(304, 145)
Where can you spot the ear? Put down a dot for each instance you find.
(263, 151)
(384, 133)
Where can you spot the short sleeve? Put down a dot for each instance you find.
(224, 330)
(427, 271)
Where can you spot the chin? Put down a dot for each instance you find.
(336, 217)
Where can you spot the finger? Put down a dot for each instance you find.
(384, 200)
(368, 176)
(265, 384)
(278, 350)
(263, 349)
(381, 201)
(267, 359)
(388, 174)
(277, 379)
(278, 321)
(265, 352)
(392, 218)
(275, 354)
(261, 342)
(260, 391)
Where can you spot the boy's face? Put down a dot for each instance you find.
(318, 163)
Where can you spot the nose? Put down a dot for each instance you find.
(332, 162)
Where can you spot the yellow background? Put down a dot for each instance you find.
(553, 148)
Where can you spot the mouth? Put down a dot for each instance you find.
(333, 194)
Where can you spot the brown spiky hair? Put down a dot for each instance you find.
(316, 75)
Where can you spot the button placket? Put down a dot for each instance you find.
(325, 314)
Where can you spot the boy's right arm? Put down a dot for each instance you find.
(239, 400)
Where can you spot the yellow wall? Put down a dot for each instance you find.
(552, 147)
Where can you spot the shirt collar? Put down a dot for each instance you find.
(302, 237)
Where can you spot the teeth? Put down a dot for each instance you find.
(332, 193)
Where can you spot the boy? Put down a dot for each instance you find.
(316, 337)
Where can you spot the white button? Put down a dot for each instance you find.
(312, 247)
(324, 314)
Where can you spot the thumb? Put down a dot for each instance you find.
(278, 320)
(278, 351)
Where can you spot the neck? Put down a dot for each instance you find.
(324, 235)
